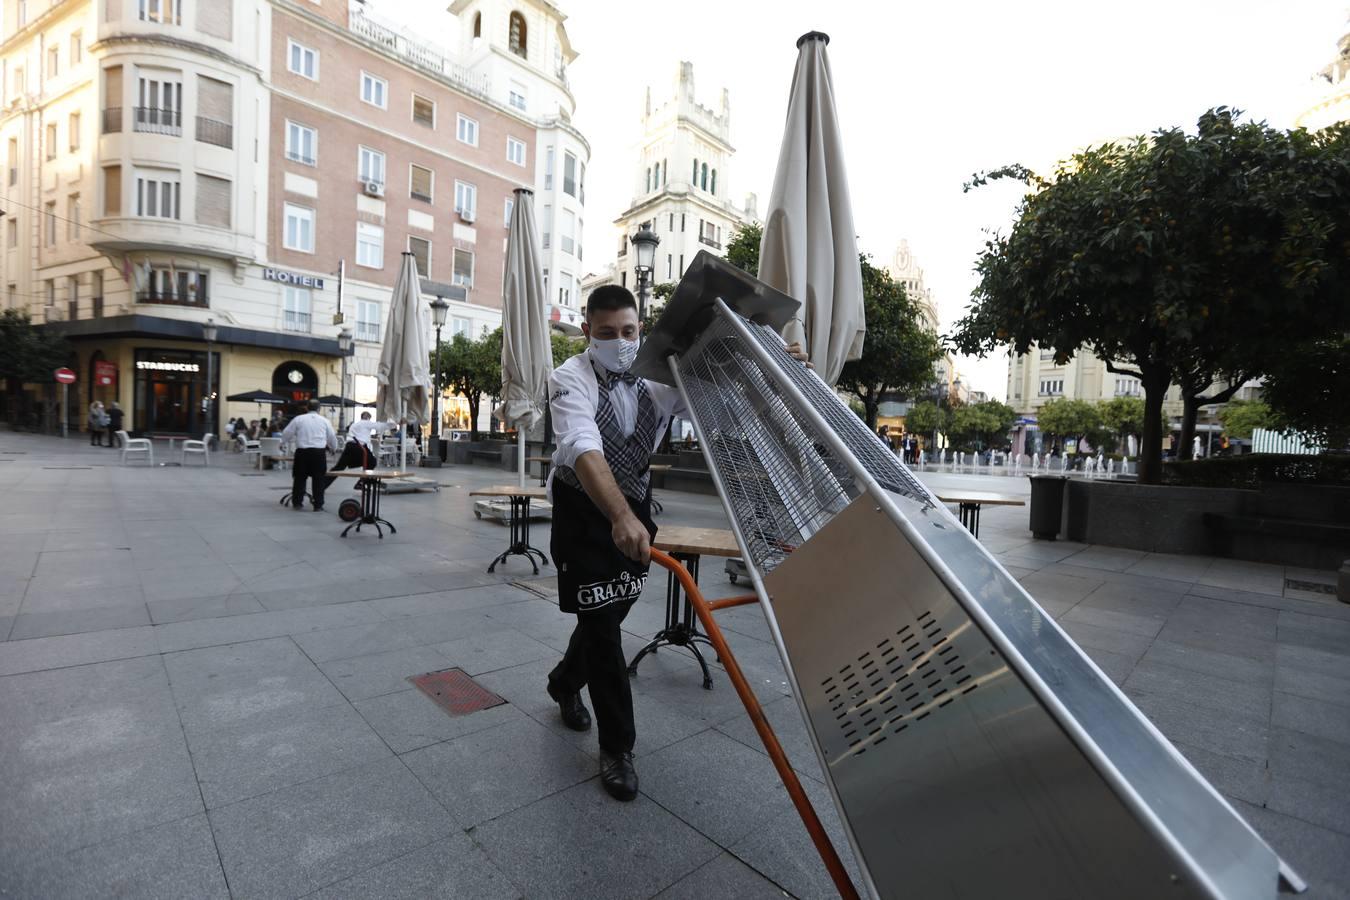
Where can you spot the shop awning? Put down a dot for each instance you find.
(188, 330)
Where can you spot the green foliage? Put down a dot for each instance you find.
(29, 353)
(1239, 417)
(564, 347)
(1252, 470)
(1122, 416)
(1065, 419)
(1190, 258)
(979, 425)
(927, 417)
(743, 248)
(664, 290)
(473, 368)
(898, 352)
(1309, 391)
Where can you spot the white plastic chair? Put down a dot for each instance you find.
(203, 447)
(268, 448)
(136, 445)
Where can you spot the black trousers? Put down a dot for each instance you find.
(354, 456)
(595, 660)
(311, 463)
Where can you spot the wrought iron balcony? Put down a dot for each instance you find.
(196, 298)
(214, 131)
(158, 121)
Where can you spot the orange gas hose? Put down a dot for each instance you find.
(728, 602)
(789, 778)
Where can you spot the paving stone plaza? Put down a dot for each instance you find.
(205, 695)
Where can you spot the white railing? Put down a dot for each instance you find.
(423, 55)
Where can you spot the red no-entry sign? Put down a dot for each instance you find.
(64, 376)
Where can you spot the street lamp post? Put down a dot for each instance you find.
(209, 332)
(439, 309)
(344, 340)
(644, 246)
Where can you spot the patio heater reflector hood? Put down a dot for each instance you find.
(971, 748)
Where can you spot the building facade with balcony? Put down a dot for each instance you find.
(681, 184)
(174, 161)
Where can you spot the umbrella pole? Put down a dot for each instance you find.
(402, 436)
(520, 453)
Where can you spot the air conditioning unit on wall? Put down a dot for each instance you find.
(466, 216)
(374, 188)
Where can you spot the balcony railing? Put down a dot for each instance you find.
(368, 331)
(418, 195)
(295, 321)
(423, 55)
(158, 121)
(297, 156)
(716, 245)
(213, 131)
(112, 120)
(172, 299)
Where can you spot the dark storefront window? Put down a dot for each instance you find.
(170, 385)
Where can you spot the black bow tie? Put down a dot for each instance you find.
(615, 377)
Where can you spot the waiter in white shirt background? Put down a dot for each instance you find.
(359, 452)
(312, 436)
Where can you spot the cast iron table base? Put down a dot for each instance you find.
(681, 627)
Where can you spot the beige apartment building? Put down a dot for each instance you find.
(171, 162)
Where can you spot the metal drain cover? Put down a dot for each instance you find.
(455, 692)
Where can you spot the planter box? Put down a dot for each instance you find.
(1270, 525)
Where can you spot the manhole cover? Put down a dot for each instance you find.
(1315, 587)
(455, 692)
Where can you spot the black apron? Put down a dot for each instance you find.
(593, 573)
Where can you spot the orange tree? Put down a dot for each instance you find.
(1186, 258)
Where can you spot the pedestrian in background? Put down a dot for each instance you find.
(312, 436)
(98, 423)
(115, 416)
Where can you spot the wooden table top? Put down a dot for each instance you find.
(533, 491)
(703, 541)
(376, 474)
(985, 498)
(660, 467)
(539, 459)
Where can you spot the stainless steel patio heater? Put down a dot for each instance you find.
(971, 748)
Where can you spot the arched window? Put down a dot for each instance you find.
(649, 178)
(713, 189)
(705, 176)
(477, 25)
(656, 179)
(517, 36)
(695, 182)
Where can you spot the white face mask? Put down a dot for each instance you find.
(616, 354)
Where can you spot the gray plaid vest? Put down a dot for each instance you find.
(628, 458)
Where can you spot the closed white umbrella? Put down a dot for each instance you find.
(404, 371)
(809, 250)
(527, 350)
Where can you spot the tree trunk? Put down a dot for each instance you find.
(870, 406)
(474, 399)
(1150, 442)
(1190, 412)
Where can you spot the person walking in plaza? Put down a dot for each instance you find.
(98, 423)
(312, 436)
(359, 452)
(115, 416)
(607, 423)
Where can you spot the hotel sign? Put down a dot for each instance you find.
(293, 278)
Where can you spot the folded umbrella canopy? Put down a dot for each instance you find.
(256, 397)
(335, 400)
(809, 250)
(404, 371)
(527, 349)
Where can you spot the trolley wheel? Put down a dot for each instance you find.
(349, 510)
(733, 577)
(477, 514)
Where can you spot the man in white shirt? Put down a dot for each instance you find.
(312, 436)
(607, 423)
(359, 452)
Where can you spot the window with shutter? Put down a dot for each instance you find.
(420, 183)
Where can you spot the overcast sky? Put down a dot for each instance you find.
(929, 93)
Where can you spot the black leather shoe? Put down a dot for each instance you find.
(574, 713)
(318, 509)
(618, 775)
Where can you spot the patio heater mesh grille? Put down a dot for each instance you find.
(784, 481)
